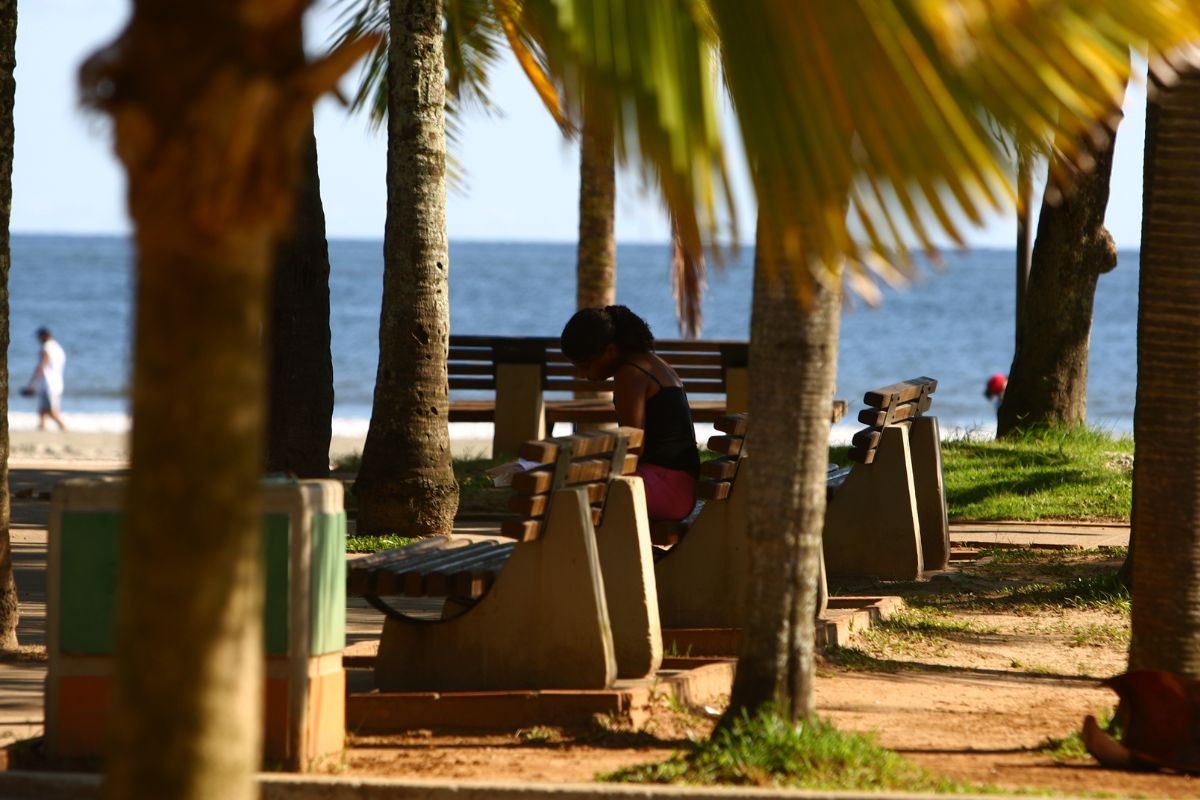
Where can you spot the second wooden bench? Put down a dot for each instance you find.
(570, 604)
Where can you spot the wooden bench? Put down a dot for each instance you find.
(701, 578)
(531, 384)
(888, 518)
(569, 604)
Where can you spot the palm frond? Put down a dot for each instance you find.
(865, 123)
(657, 60)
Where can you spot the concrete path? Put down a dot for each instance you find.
(1040, 534)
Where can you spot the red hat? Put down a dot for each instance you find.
(996, 384)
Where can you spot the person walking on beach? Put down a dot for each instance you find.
(613, 342)
(47, 379)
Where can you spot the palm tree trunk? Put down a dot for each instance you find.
(9, 611)
(596, 262)
(187, 707)
(1047, 384)
(210, 103)
(299, 424)
(1166, 421)
(406, 484)
(793, 364)
(1024, 234)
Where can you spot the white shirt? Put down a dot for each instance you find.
(54, 362)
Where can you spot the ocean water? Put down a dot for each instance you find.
(955, 325)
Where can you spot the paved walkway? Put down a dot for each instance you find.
(1041, 534)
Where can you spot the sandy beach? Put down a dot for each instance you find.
(97, 447)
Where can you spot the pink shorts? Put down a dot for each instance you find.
(670, 493)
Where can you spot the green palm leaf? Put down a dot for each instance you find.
(865, 122)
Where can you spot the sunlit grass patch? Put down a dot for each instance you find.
(1094, 591)
(925, 630)
(373, 544)
(1070, 747)
(767, 750)
(1055, 473)
(1100, 635)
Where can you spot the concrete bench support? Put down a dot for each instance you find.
(304, 616)
(701, 581)
(872, 526)
(520, 408)
(925, 444)
(627, 564)
(543, 625)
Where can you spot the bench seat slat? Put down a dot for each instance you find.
(369, 562)
(412, 578)
(439, 582)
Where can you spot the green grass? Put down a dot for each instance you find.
(1103, 591)
(767, 750)
(1078, 474)
(1070, 747)
(373, 544)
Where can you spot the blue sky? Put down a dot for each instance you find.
(522, 177)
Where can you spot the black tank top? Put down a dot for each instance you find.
(670, 434)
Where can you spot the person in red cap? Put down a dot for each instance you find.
(994, 390)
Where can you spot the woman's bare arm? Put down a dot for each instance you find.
(629, 396)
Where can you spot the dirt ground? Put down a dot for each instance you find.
(990, 661)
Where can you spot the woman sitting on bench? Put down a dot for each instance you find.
(613, 342)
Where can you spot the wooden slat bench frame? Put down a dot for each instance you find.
(701, 579)
(570, 604)
(888, 518)
(521, 371)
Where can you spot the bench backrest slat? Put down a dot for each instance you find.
(536, 505)
(901, 392)
(701, 364)
(540, 479)
(720, 469)
(900, 402)
(726, 445)
(586, 444)
(901, 412)
(713, 490)
(733, 424)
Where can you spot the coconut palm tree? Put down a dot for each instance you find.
(1047, 383)
(299, 358)
(8, 61)
(406, 483)
(864, 127)
(210, 103)
(1165, 542)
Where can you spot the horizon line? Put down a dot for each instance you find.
(485, 240)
